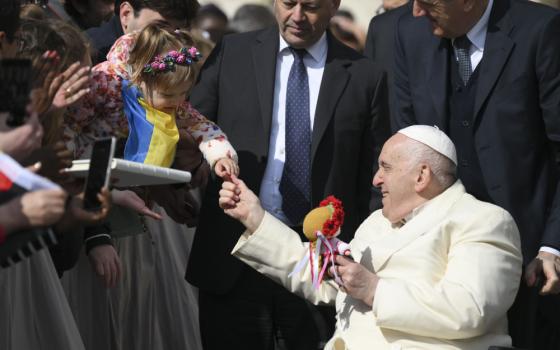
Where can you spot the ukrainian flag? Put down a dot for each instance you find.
(153, 134)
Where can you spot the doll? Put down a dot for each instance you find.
(321, 226)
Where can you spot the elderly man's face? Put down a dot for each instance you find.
(302, 22)
(395, 179)
(446, 16)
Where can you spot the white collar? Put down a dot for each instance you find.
(477, 34)
(317, 50)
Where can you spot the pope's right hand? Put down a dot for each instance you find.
(239, 202)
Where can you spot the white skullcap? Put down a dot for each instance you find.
(432, 137)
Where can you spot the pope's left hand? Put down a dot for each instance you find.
(357, 281)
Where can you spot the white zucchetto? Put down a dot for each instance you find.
(432, 137)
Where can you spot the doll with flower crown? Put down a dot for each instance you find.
(321, 226)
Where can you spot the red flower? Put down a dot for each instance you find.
(331, 226)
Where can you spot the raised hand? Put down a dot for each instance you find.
(75, 85)
(239, 202)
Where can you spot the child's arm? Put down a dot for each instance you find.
(212, 142)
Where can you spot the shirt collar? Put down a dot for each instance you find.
(409, 216)
(477, 34)
(317, 50)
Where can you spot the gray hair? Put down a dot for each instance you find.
(443, 168)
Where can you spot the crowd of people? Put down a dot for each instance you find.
(438, 131)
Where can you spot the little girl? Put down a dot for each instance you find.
(142, 97)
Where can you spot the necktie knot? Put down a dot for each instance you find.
(298, 54)
(462, 42)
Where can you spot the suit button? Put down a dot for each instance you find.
(466, 123)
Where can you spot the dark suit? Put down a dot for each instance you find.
(380, 43)
(516, 118)
(236, 90)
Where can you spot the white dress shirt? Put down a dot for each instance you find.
(477, 37)
(314, 61)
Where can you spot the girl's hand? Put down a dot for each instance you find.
(226, 167)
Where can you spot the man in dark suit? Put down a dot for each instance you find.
(263, 88)
(487, 72)
(380, 43)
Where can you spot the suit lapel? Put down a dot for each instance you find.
(429, 218)
(497, 50)
(335, 78)
(437, 63)
(265, 51)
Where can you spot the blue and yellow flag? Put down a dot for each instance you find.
(153, 134)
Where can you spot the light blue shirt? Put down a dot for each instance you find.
(270, 196)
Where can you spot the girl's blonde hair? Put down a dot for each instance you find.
(159, 38)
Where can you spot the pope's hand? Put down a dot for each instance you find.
(239, 202)
(357, 281)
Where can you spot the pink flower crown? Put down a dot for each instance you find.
(183, 56)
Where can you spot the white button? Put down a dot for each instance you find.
(277, 181)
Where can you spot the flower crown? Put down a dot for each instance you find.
(331, 226)
(183, 56)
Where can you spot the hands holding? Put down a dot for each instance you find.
(239, 202)
(226, 167)
(357, 281)
(548, 265)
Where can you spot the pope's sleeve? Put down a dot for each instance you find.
(477, 289)
(274, 250)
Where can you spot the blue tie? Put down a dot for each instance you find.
(295, 185)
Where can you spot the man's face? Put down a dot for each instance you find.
(446, 16)
(395, 179)
(135, 21)
(302, 22)
(139, 22)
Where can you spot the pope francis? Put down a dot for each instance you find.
(434, 269)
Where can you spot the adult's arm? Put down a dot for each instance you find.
(274, 250)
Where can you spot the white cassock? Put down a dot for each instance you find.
(447, 277)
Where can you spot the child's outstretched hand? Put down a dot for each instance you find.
(225, 167)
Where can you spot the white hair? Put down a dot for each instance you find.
(443, 168)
